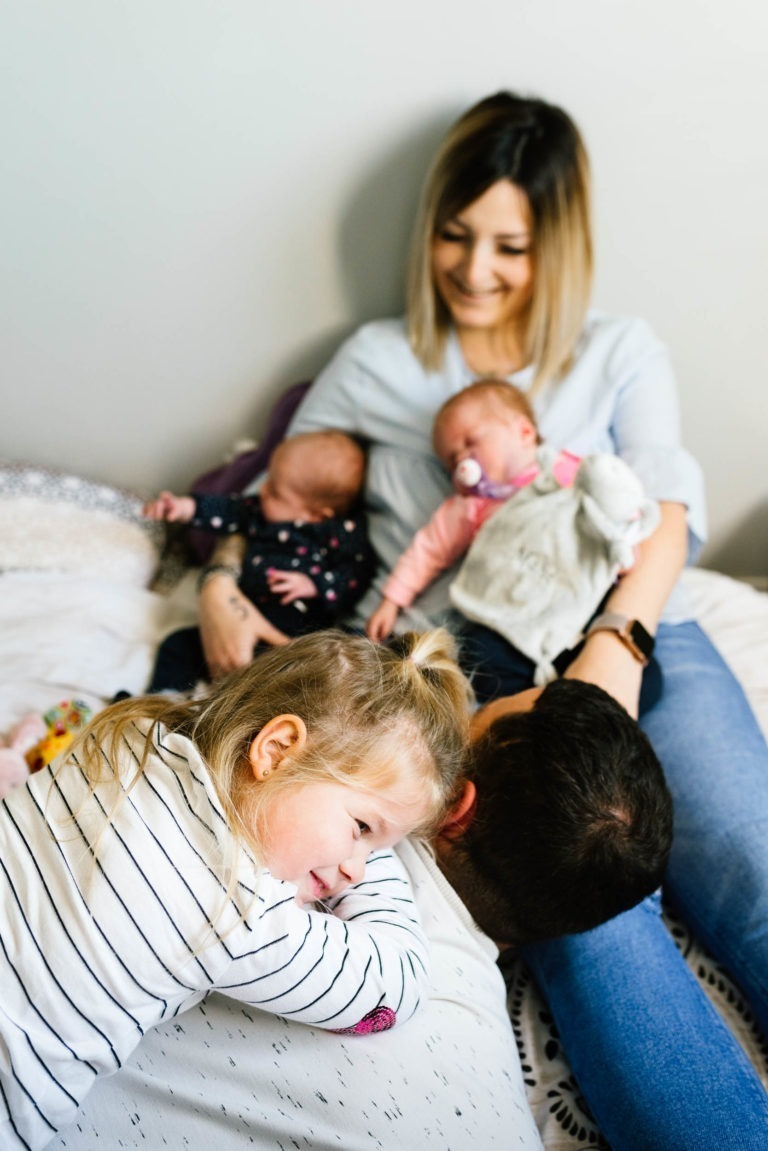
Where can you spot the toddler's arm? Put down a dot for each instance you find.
(173, 509)
(225, 515)
(366, 959)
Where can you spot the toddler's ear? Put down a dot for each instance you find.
(283, 734)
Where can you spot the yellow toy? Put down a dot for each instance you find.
(63, 722)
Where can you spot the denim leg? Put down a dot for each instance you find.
(657, 1065)
(716, 762)
(654, 1060)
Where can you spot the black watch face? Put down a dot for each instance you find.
(640, 637)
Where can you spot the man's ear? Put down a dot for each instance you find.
(461, 814)
(282, 734)
(503, 705)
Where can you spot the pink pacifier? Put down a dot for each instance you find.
(469, 479)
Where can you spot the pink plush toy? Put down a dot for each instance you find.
(13, 764)
(36, 740)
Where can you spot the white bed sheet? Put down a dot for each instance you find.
(68, 635)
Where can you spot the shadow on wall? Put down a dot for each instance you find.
(373, 232)
(378, 217)
(742, 551)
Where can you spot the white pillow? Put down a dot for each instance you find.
(53, 521)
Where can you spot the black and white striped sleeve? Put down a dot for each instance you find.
(367, 958)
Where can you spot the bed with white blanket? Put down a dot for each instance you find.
(78, 620)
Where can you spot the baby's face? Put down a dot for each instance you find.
(283, 495)
(501, 440)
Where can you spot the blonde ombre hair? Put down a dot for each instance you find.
(538, 148)
(374, 715)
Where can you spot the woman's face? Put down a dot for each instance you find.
(481, 260)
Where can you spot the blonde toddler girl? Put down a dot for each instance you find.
(183, 846)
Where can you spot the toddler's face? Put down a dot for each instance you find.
(502, 441)
(319, 835)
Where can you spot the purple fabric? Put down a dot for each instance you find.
(231, 478)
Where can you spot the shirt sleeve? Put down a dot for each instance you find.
(373, 388)
(433, 549)
(224, 515)
(335, 970)
(646, 428)
(621, 396)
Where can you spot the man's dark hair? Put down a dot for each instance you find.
(573, 822)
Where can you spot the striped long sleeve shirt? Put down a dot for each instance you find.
(109, 927)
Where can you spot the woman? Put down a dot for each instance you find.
(499, 285)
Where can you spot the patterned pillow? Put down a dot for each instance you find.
(54, 521)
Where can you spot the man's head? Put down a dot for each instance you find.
(571, 821)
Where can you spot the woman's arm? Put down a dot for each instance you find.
(230, 625)
(640, 594)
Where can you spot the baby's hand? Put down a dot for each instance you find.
(380, 624)
(167, 506)
(290, 586)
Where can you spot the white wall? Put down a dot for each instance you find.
(200, 197)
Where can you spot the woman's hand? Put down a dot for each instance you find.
(231, 627)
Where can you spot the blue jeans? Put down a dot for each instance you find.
(656, 1064)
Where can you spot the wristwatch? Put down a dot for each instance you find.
(630, 631)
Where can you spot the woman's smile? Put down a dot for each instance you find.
(473, 294)
(481, 260)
